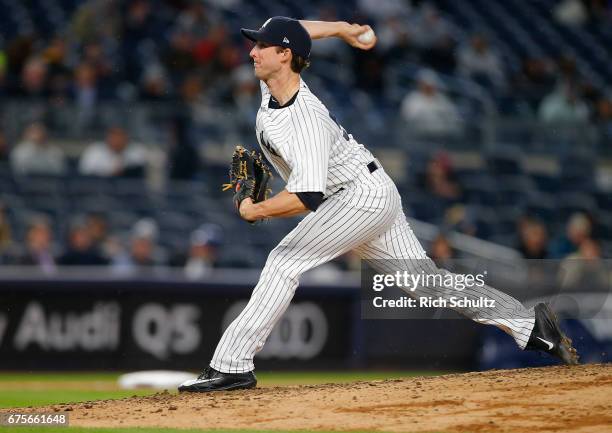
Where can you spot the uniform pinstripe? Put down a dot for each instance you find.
(362, 212)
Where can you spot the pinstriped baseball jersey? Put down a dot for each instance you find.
(363, 213)
(305, 144)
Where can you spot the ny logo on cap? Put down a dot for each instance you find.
(266, 23)
(285, 40)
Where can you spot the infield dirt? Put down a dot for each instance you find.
(549, 399)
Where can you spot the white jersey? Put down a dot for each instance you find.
(313, 153)
(306, 145)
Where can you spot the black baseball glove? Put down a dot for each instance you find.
(248, 177)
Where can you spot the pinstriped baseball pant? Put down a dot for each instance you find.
(366, 217)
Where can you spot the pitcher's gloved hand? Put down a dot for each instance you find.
(248, 177)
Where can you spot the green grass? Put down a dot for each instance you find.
(23, 398)
(49, 393)
(55, 377)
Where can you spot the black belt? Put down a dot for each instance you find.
(372, 166)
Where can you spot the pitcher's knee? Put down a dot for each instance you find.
(278, 267)
(283, 273)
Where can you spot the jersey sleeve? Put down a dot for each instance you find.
(308, 148)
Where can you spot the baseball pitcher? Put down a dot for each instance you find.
(352, 205)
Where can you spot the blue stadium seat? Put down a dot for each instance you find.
(571, 202)
(542, 206)
(546, 183)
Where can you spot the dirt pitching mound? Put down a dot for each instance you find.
(568, 399)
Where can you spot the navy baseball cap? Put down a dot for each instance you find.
(284, 32)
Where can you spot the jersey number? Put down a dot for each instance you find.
(344, 133)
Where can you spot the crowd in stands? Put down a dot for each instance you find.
(90, 241)
(116, 155)
(533, 239)
(189, 54)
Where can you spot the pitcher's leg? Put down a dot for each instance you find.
(247, 333)
(334, 229)
(399, 250)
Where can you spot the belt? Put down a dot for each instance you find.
(372, 167)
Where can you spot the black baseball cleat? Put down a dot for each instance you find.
(548, 337)
(213, 380)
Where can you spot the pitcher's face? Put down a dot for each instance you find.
(267, 60)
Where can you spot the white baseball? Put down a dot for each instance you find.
(366, 37)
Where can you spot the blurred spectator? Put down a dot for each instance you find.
(589, 249)
(179, 57)
(584, 269)
(86, 96)
(477, 61)
(568, 72)
(197, 18)
(330, 48)
(34, 155)
(228, 58)
(204, 251)
(55, 56)
(141, 28)
(430, 28)
(590, 95)
(60, 74)
(533, 239)
(393, 37)
(383, 9)
(563, 106)
(183, 156)
(4, 149)
(102, 62)
(441, 250)
(460, 218)
(578, 229)
(195, 100)
(155, 85)
(39, 246)
(33, 80)
(246, 95)
(143, 250)
(81, 250)
(440, 180)
(428, 111)
(116, 156)
(214, 53)
(571, 13)
(603, 117)
(96, 20)
(3, 71)
(18, 51)
(102, 241)
(139, 22)
(6, 238)
(535, 80)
